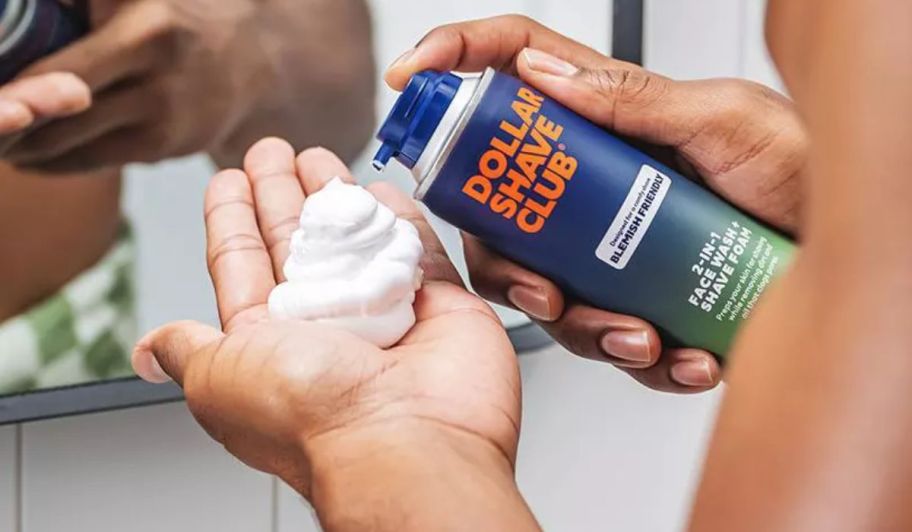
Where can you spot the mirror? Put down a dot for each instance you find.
(96, 249)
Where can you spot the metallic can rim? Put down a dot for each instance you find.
(13, 37)
(11, 16)
(435, 167)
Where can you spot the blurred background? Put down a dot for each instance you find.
(599, 452)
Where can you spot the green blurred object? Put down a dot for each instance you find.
(83, 333)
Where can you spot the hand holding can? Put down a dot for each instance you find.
(636, 104)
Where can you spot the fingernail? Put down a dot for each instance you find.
(148, 369)
(157, 373)
(627, 345)
(547, 64)
(693, 373)
(14, 115)
(532, 301)
(72, 90)
(402, 58)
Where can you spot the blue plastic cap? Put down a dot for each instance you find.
(414, 118)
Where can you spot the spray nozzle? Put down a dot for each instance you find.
(415, 116)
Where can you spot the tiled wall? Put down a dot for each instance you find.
(598, 451)
(9, 478)
(146, 470)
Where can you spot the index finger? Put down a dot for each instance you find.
(35, 98)
(473, 45)
(239, 262)
(278, 196)
(318, 166)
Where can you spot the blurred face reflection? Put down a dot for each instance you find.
(130, 91)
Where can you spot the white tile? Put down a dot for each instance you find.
(8, 478)
(144, 470)
(601, 452)
(293, 513)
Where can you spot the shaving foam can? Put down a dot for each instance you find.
(569, 200)
(32, 29)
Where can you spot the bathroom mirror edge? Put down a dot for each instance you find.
(85, 399)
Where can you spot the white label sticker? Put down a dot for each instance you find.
(633, 220)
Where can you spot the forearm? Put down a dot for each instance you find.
(423, 482)
(847, 65)
(816, 428)
(51, 229)
(317, 57)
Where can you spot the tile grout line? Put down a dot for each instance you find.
(274, 488)
(17, 480)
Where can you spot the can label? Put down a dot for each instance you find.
(525, 170)
(633, 220)
(610, 225)
(47, 26)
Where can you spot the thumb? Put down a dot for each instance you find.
(164, 353)
(618, 96)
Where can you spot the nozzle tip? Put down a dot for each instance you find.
(384, 154)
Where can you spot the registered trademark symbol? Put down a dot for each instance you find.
(562, 146)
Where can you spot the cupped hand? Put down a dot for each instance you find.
(283, 396)
(743, 140)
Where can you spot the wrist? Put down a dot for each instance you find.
(413, 475)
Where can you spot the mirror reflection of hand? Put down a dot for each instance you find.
(169, 79)
(32, 100)
(283, 395)
(743, 140)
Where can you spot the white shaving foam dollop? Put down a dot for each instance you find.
(353, 265)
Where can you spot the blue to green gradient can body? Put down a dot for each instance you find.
(610, 225)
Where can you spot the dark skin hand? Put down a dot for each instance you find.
(801, 444)
(330, 414)
(156, 79)
(436, 416)
(743, 140)
(172, 78)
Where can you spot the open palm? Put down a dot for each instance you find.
(263, 387)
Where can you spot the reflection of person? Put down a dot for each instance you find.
(154, 79)
(424, 435)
